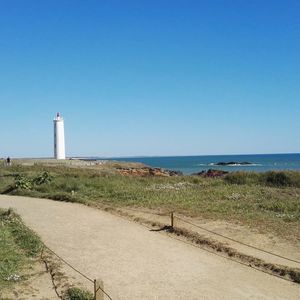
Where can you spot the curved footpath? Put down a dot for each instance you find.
(136, 263)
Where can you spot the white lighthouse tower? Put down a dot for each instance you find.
(59, 137)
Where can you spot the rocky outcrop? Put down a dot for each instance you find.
(211, 173)
(233, 163)
(147, 171)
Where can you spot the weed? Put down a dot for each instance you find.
(75, 293)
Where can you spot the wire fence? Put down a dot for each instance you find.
(173, 216)
(231, 259)
(282, 272)
(236, 241)
(93, 281)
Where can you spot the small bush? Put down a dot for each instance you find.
(277, 179)
(196, 180)
(271, 178)
(242, 178)
(23, 183)
(235, 178)
(78, 294)
(45, 177)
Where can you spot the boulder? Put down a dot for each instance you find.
(148, 171)
(232, 163)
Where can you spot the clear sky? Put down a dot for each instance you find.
(150, 77)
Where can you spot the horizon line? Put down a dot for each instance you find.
(153, 156)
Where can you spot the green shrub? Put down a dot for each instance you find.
(78, 294)
(23, 183)
(277, 179)
(235, 178)
(271, 178)
(45, 177)
(242, 178)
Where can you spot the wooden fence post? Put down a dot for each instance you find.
(172, 219)
(98, 289)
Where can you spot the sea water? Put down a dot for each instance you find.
(194, 164)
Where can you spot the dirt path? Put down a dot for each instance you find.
(135, 263)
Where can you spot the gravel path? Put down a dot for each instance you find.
(135, 263)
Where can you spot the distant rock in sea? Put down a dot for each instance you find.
(233, 163)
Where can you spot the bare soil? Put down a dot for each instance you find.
(136, 263)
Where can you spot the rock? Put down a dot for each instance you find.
(211, 173)
(147, 171)
(232, 163)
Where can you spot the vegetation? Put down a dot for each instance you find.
(267, 201)
(75, 293)
(18, 245)
(272, 178)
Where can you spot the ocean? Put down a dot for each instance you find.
(194, 164)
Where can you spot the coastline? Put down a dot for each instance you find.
(186, 165)
(194, 164)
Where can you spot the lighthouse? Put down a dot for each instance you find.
(59, 137)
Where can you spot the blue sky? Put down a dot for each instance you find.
(150, 77)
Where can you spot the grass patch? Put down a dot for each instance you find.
(271, 178)
(18, 245)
